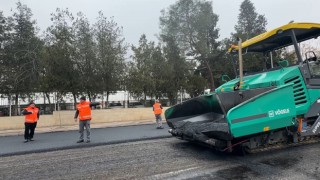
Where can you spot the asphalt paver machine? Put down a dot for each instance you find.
(276, 107)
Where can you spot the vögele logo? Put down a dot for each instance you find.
(271, 113)
(278, 112)
(282, 111)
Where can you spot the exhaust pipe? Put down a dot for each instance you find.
(240, 60)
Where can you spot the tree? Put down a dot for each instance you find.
(85, 55)
(22, 55)
(195, 85)
(176, 69)
(193, 24)
(110, 54)
(141, 81)
(60, 70)
(6, 26)
(159, 72)
(250, 24)
(151, 71)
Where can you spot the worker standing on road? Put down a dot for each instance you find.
(31, 117)
(157, 110)
(84, 112)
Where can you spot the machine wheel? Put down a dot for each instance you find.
(241, 150)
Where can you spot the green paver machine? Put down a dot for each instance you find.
(278, 106)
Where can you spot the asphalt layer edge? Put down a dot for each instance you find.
(83, 145)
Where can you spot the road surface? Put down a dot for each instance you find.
(166, 158)
(13, 145)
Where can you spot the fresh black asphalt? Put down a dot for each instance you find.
(14, 145)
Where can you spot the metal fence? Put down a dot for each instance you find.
(16, 110)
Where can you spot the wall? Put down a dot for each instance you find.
(65, 118)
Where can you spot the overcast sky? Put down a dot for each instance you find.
(142, 16)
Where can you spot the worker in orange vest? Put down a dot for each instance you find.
(31, 117)
(84, 113)
(157, 110)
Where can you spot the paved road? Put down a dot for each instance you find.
(11, 145)
(167, 158)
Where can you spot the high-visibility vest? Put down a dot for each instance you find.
(157, 108)
(84, 111)
(31, 118)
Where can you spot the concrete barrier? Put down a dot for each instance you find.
(65, 118)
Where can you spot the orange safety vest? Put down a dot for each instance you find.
(31, 118)
(84, 111)
(157, 109)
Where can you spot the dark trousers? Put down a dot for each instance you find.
(29, 130)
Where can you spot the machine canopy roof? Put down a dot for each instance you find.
(279, 37)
